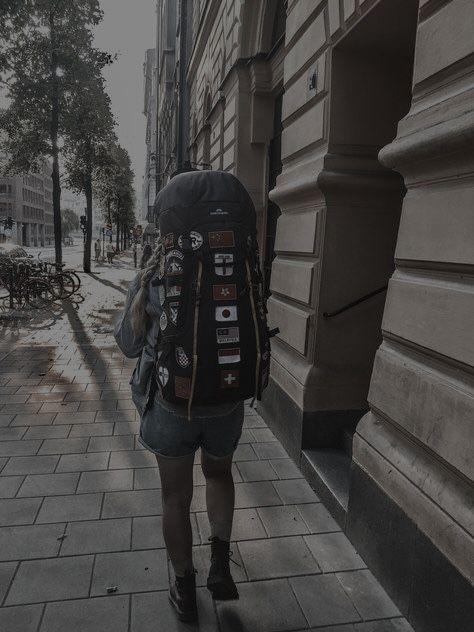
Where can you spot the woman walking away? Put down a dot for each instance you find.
(195, 319)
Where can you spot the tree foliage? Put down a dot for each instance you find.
(70, 221)
(47, 60)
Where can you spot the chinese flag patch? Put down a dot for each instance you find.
(222, 239)
(224, 292)
(182, 387)
(230, 379)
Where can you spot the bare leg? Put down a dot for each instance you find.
(220, 494)
(176, 475)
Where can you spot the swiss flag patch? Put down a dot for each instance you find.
(230, 379)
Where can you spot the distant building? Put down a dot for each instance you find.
(149, 110)
(28, 199)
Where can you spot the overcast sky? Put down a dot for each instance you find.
(128, 28)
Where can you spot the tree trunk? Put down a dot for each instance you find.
(54, 144)
(117, 236)
(109, 218)
(88, 242)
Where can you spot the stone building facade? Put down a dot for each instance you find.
(351, 124)
(28, 200)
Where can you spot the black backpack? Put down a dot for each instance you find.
(214, 342)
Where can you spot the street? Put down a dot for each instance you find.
(81, 547)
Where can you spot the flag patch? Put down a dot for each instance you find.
(174, 268)
(229, 379)
(224, 292)
(182, 358)
(163, 375)
(221, 239)
(229, 356)
(174, 308)
(173, 290)
(226, 335)
(223, 263)
(226, 313)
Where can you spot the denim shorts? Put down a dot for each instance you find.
(170, 434)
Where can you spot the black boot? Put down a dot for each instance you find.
(182, 595)
(220, 581)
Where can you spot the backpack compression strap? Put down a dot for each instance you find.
(196, 321)
(257, 334)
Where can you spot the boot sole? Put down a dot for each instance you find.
(186, 617)
(221, 593)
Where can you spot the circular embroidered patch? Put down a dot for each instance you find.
(196, 240)
(181, 358)
(163, 321)
(163, 375)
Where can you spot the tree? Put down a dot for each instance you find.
(115, 192)
(86, 152)
(47, 56)
(69, 221)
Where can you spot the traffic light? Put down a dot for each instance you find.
(83, 223)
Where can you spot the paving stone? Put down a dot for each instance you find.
(246, 525)
(111, 444)
(244, 452)
(132, 458)
(74, 418)
(257, 471)
(198, 502)
(9, 485)
(134, 503)
(116, 415)
(277, 557)
(12, 434)
(270, 450)
(295, 491)
(246, 436)
(323, 600)
(334, 552)
(198, 476)
(286, 468)
(107, 614)
(92, 430)
(371, 601)
(253, 421)
(3, 461)
(338, 628)
(268, 606)
(59, 407)
(46, 397)
(153, 611)
(318, 518)
(40, 419)
(20, 618)
(147, 533)
(134, 571)
(98, 404)
(259, 494)
(83, 462)
(5, 419)
(18, 511)
(147, 478)
(47, 432)
(20, 543)
(105, 481)
(386, 625)
(127, 427)
(97, 536)
(22, 408)
(64, 446)
(7, 570)
(70, 508)
(30, 465)
(19, 448)
(51, 579)
(282, 520)
(263, 435)
(49, 484)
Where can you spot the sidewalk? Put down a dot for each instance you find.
(80, 502)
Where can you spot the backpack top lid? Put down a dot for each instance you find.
(194, 188)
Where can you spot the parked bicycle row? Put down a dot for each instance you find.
(33, 282)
